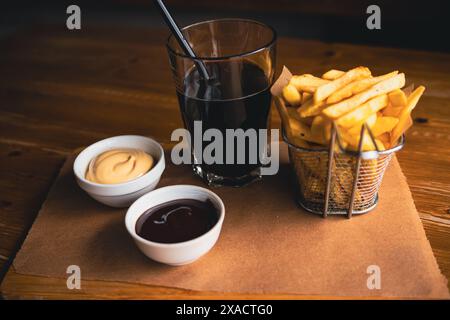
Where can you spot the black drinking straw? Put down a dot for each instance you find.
(184, 44)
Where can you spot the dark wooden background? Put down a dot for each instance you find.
(405, 24)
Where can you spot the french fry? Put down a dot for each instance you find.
(361, 113)
(301, 130)
(307, 82)
(325, 90)
(292, 113)
(291, 95)
(295, 129)
(317, 125)
(385, 138)
(321, 128)
(370, 121)
(306, 96)
(405, 126)
(304, 132)
(413, 99)
(380, 145)
(334, 111)
(363, 85)
(333, 74)
(343, 145)
(397, 98)
(384, 125)
(367, 144)
(357, 87)
(308, 121)
(405, 116)
(310, 108)
(391, 111)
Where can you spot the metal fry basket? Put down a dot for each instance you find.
(333, 180)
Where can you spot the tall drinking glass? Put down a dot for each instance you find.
(239, 57)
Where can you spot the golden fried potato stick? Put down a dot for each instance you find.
(407, 124)
(391, 111)
(306, 96)
(321, 128)
(308, 121)
(325, 90)
(292, 113)
(405, 115)
(370, 122)
(380, 145)
(397, 98)
(302, 131)
(357, 87)
(353, 141)
(386, 139)
(337, 110)
(361, 113)
(310, 108)
(294, 128)
(307, 82)
(333, 74)
(291, 95)
(384, 125)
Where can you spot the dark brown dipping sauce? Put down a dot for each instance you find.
(177, 221)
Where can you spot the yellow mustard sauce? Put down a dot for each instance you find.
(119, 165)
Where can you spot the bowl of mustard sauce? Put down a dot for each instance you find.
(118, 170)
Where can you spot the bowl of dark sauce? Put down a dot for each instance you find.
(176, 225)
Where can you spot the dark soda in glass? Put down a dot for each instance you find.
(234, 99)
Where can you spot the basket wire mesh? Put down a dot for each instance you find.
(337, 181)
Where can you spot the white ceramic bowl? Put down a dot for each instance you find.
(120, 194)
(180, 253)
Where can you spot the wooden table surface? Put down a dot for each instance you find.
(60, 90)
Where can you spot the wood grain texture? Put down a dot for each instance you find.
(61, 90)
(23, 189)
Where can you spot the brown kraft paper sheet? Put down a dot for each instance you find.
(267, 245)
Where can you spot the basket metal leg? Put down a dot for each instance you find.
(356, 173)
(329, 170)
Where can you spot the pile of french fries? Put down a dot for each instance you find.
(349, 99)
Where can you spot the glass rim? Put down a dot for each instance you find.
(238, 55)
